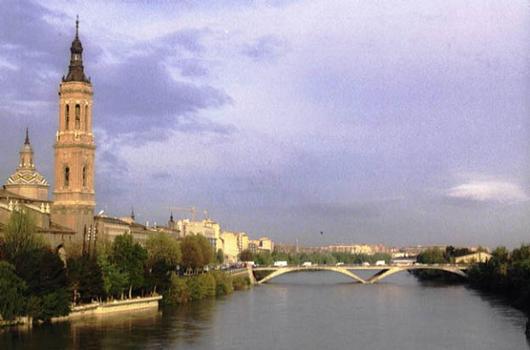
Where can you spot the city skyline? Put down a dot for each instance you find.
(292, 118)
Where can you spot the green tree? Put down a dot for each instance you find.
(85, 278)
(130, 258)
(191, 253)
(432, 256)
(264, 258)
(45, 275)
(196, 252)
(114, 280)
(220, 257)
(163, 256)
(246, 255)
(20, 238)
(12, 292)
(161, 246)
(207, 252)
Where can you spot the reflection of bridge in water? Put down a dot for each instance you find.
(348, 270)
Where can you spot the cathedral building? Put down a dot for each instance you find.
(27, 190)
(70, 217)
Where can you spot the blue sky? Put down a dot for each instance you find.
(401, 122)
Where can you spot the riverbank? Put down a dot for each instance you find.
(111, 307)
(96, 308)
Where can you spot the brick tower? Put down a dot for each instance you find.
(74, 195)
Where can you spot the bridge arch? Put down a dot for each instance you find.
(285, 270)
(393, 270)
(383, 271)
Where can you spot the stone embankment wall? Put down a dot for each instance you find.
(111, 306)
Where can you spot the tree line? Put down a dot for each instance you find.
(35, 281)
(507, 273)
(266, 258)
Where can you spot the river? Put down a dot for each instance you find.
(309, 310)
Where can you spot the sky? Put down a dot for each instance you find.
(394, 122)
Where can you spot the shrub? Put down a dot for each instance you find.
(208, 283)
(241, 283)
(178, 292)
(12, 290)
(223, 283)
(197, 290)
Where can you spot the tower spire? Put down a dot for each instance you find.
(26, 142)
(77, 26)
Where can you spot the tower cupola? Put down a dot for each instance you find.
(76, 69)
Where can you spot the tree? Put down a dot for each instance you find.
(20, 238)
(161, 246)
(12, 292)
(246, 255)
(191, 253)
(207, 251)
(163, 256)
(196, 252)
(85, 278)
(130, 258)
(431, 256)
(114, 280)
(264, 258)
(220, 258)
(45, 275)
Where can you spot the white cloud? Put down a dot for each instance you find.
(489, 191)
(6, 64)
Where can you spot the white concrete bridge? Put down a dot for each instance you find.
(381, 272)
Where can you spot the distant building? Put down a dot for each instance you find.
(475, 257)
(207, 228)
(230, 246)
(263, 244)
(285, 248)
(350, 249)
(242, 241)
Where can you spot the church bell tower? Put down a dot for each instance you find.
(74, 195)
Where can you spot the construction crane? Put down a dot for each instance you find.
(191, 210)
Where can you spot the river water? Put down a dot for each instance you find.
(308, 310)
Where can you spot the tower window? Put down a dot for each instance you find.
(67, 117)
(66, 176)
(84, 176)
(77, 116)
(86, 118)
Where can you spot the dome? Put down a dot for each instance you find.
(27, 181)
(26, 177)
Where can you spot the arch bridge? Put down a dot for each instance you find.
(381, 272)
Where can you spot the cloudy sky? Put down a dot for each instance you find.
(399, 122)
